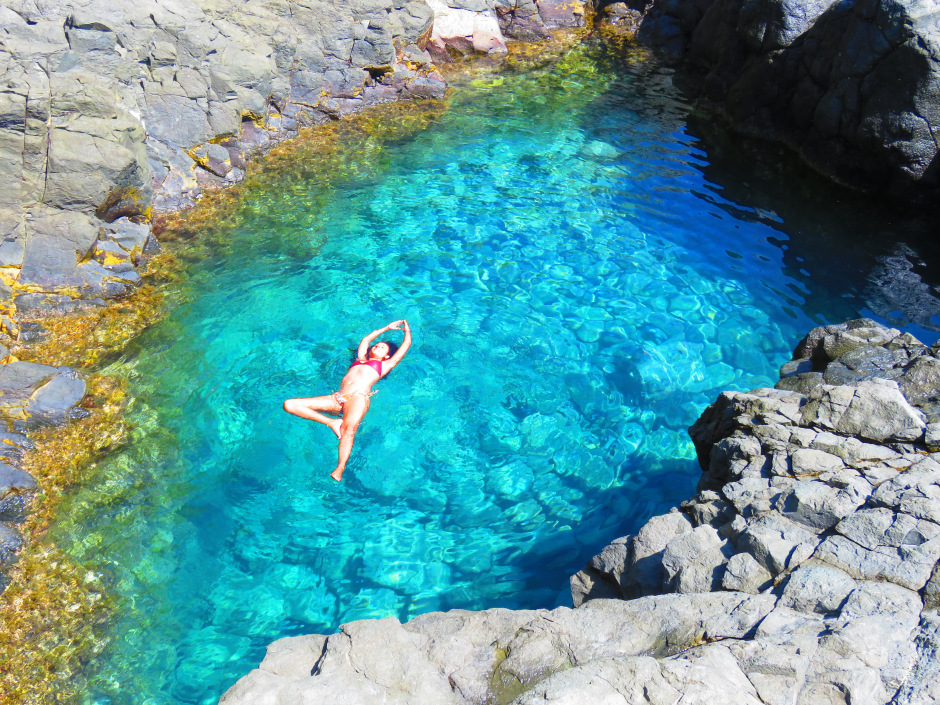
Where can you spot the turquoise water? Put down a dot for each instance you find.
(579, 292)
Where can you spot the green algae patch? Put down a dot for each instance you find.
(504, 687)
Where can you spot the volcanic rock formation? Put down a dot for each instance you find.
(853, 87)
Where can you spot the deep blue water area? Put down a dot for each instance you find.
(580, 289)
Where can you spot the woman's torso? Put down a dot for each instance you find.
(361, 376)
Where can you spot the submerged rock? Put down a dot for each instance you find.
(805, 570)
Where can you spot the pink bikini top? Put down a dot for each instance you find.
(374, 364)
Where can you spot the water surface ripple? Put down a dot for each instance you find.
(579, 292)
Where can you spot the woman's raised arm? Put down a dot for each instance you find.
(403, 348)
(363, 350)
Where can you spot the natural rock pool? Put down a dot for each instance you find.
(580, 289)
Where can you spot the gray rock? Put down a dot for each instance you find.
(17, 489)
(802, 383)
(796, 367)
(10, 543)
(907, 566)
(463, 657)
(920, 381)
(819, 505)
(835, 345)
(932, 589)
(98, 114)
(872, 410)
(601, 578)
(13, 446)
(694, 562)
(710, 674)
(645, 575)
(709, 508)
(820, 76)
(776, 543)
(751, 494)
(872, 528)
(923, 683)
(744, 574)
(915, 492)
(932, 437)
(817, 588)
(36, 395)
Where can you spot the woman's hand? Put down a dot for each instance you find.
(396, 325)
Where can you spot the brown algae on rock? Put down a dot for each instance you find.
(52, 612)
(81, 339)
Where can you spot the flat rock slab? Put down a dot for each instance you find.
(32, 396)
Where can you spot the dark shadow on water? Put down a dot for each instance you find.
(854, 252)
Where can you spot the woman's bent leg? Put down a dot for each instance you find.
(312, 407)
(353, 412)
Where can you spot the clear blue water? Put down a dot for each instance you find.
(579, 290)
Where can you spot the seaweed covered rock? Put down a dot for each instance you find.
(852, 86)
(31, 396)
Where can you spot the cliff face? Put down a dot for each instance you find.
(804, 571)
(854, 86)
(108, 110)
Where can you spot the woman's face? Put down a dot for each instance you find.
(380, 351)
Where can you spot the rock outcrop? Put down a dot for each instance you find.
(804, 571)
(854, 87)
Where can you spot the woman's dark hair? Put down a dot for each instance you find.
(392, 347)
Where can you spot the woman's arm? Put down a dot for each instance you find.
(363, 350)
(403, 348)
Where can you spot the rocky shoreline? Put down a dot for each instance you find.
(805, 570)
(115, 112)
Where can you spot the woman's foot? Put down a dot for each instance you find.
(335, 424)
(337, 474)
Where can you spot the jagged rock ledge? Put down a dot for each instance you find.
(804, 570)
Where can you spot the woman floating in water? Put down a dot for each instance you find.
(353, 398)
